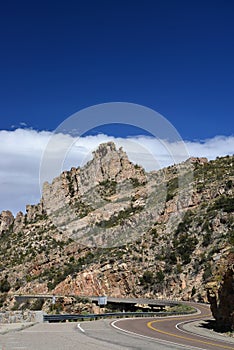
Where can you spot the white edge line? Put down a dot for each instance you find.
(80, 328)
(180, 328)
(151, 338)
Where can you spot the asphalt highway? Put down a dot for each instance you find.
(139, 334)
(170, 330)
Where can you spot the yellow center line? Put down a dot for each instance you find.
(149, 325)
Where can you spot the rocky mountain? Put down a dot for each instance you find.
(112, 228)
(221, 291)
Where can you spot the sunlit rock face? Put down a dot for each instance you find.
(221, 295)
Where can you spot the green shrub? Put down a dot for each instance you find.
(193, 291)
(224, 203)
(172, 186)
(184, 245)
(118, 219)
(147, 278)
(231, 237)
(135, 182)
(107, 187)
(160, 276)
(229, 184)
(185, 224)
(2, 299)
(207, 272)
(170, 258)
(5, 285)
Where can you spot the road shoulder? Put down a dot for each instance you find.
(200, 328)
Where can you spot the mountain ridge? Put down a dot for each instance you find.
(111, 228)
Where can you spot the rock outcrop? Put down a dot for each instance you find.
(82, 200)
(6, 221)
(221, 295)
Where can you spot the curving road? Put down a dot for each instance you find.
(169, 330)
(138, 334)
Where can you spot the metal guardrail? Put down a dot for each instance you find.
(153, 302)
(80, 317)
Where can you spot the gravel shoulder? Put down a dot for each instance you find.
(201, 328)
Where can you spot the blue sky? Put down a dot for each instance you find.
(173, 56)
(59, 57)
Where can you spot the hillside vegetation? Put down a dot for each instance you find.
(111, 228)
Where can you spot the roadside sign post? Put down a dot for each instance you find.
(102, 301)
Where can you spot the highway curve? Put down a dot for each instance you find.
(170, 330)
(138, 334)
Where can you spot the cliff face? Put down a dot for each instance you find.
(84, 198)
(111, 228)
(221, 294)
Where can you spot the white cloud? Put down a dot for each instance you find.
(21, 152)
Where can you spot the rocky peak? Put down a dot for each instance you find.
(6, 220)
(19, 222)
(108, 164)
(199, 160)
(106, 149)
